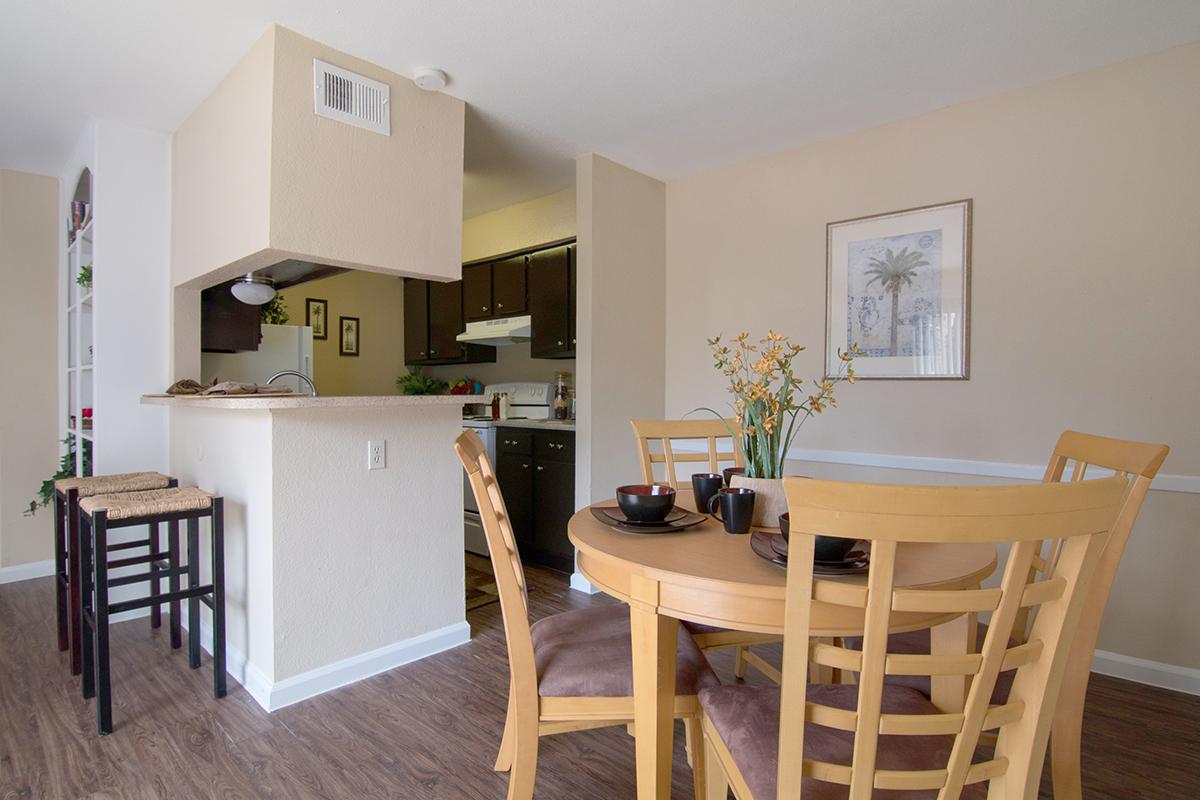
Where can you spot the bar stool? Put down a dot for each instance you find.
(100, 514)
(67, 493)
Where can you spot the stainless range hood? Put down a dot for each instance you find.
(499, 332)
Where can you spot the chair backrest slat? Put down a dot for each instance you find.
(1079, 513)
(667, 432)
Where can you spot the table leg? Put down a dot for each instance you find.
(957, 637)
(655, 640)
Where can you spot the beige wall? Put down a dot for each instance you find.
(1086, 270)
(516, 227)
(378, 302)
(29, 261)
(622, 292)
(258, 177)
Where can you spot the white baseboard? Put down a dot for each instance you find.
(581, 584)
(273, 696)
(1152, 673)
(25, 572)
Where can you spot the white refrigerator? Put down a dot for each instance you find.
(282, 347)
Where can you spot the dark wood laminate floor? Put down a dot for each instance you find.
(426, 730)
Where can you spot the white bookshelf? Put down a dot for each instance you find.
(80, 378)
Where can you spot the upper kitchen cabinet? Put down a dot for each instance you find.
(227, 325)
(552, 303)
(416, 321)
(477, 292)
(433, 318)
(508, 287)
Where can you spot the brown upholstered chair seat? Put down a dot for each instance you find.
(917, 643)
(588, 653)
(747, 720)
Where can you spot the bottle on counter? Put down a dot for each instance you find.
(505, 405)
(495, 405)
(562, 402)
(571, 404)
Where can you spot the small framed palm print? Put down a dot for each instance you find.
(898, 288)
(349, 336)
(316, 316)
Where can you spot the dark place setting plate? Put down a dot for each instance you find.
(676, 520)
(774, 548)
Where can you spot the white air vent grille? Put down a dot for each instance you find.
(342, 95)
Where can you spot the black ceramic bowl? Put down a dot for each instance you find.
(646, 503)
(827, 548)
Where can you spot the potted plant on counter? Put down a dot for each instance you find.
(415, 383)
(769, 411)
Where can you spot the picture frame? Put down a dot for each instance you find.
(348, 336)
(316, 316)
(898, 285)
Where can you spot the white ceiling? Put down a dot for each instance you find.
(669, 87)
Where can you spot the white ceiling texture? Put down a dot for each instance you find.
(668, 87)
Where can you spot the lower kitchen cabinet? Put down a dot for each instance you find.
(536, 473)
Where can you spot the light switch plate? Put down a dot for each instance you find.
(377, 454)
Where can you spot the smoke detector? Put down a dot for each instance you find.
(430, 79)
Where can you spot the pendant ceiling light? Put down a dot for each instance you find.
(254, 290)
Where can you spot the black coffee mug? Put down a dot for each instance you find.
(729, 472)
(704, 486)
(737, 509)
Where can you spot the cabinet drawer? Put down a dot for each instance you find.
(554, 445)
(514, 440)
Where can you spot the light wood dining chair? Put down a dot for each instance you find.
(572, 671)
(656, 439)
(1073, 456)
(873, 739)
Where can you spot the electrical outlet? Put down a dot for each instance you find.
(377, 454)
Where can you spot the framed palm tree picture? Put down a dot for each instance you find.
(898, 287)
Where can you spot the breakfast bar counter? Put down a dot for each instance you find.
(343, 531)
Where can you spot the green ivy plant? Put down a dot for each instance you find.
(274, 312)
(84, 278)
(66, 469)
(416, 383)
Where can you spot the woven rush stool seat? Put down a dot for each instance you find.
(110, 484)
(98, 516)
(155, 502)
(67, 493)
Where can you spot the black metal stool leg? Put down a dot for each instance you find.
(62, 577)
(173, 583)
(103, 675)
(156, 609)
(218, 596)
(193, 572)
(76, 572)
(83, 545)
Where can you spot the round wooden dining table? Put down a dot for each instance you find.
(707, 576)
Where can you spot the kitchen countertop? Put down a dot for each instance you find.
(278, 402)
(538, 424)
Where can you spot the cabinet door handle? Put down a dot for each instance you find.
(560, 342)
(483, 309)
(499, 305)
(540, 468)
(421, 354)
(433, 352)
(572, 340)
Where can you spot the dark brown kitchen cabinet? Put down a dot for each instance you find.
(477, 292)
(514, 474)
(572, 290)
(227, 325)
(416, 321)
(551, 303)
(445, 321)
(433, 318)
(536, 473)
(508, 287)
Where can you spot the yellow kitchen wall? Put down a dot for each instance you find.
(1085, 274)
(378, 302)
(516, 227)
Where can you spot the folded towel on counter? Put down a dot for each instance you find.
(186, 386)
(236, 387)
